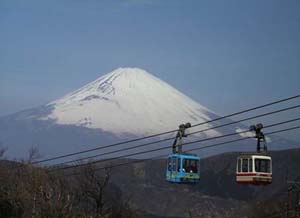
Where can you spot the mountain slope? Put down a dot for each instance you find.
(128, 101)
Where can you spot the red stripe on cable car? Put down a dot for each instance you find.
(254, 182)
(254, 174)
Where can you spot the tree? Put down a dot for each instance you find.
(11, 204)
(93, 186)
(53, 197)
(31, 191)
(268, 208)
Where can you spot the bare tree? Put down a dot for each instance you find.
(53, 197)
(33, 154)
(30, 191)
(270, 208)
(122, 209)
(93, 186)
(27, 190)
(2, 152)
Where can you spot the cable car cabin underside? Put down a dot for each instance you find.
(183, 168)
(254, 178)
(255, 169)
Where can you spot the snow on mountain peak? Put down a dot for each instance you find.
(105, 86)
(128, 101)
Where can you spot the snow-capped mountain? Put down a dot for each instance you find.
(124, 104)
(128, 101)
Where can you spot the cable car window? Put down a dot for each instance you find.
(262, 165)
(239, 165)
(245, 165)
(184, 165)
(250, 165)
(169, 164)
(174, 164)
(190, 166)
(194, 166)
(178, 164)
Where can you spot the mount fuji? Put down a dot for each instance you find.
(128, 101)
(121, 105)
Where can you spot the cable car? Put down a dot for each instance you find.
(183, 168)
(255, 168)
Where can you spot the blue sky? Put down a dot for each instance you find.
(227, 55)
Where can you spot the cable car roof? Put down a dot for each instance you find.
(186, 156)
(254, 155)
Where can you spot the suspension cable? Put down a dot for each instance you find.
(167, 132)
(164, 148)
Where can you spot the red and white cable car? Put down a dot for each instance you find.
(255, 169)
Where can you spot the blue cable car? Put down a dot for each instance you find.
(183, 168)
